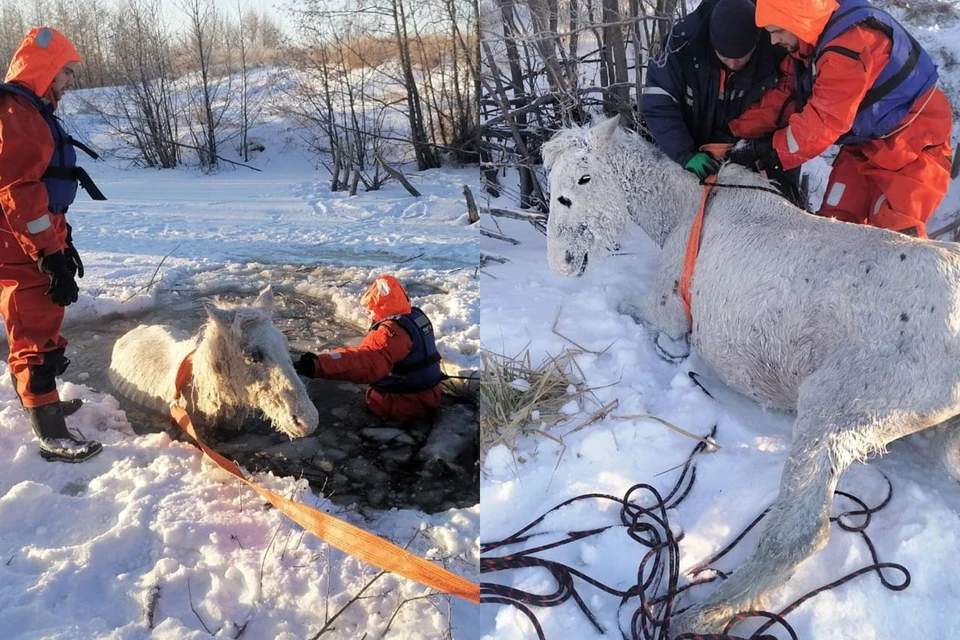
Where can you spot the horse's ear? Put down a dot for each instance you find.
(550, 150)
(266, 300)
(222, 317)
(603, 132)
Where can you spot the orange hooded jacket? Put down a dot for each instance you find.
(380, 350)
(896, 182)
(841, 82)
(26, 147)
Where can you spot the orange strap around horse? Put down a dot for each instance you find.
(350, 539)
(693, 248)
(719, 151)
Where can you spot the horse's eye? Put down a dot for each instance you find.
(583, 179)
(254, 356)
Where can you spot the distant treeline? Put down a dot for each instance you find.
(382, 80)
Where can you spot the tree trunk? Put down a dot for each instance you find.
(425, 154)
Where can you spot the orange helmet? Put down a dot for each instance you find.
(40, 57)
(386, 297)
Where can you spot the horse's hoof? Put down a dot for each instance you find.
(698, 620)
(671, 350)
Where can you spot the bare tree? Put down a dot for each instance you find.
(242, 45)
(347, 104)
(207, 106)
(425, 154)
(143, 109)
(553, 62)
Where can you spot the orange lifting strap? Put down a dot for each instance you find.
(346, 537)
(719, 151)
(693, 248)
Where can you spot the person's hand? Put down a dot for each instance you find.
(306, 366)
(63, 288)
(758, 153)
(73, 256)
(702, 165)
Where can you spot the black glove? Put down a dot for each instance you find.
(73, 257)
(63, 288)
(758, 153)
(723, 136)
(306, 366)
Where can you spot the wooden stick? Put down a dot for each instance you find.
(949, 227)
(526, 216)
(497, 236)
(151, 610)
(152, 278)
(399, 177)
(488, 257)
(472, 214)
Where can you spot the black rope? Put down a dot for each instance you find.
(757, 187)
(649, 526)
(752, 187)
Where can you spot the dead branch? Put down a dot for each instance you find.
(215, 155)
(400, 606)
(527, 216)
(190, 597)
(152, 278)
(326, 627)
(153, 596)
(486, 258)
(472, 214)
(950, 227)
(498, 236)
(399, 177)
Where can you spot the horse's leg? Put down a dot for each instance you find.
(948, 446)
(662, 307)
(834, 427)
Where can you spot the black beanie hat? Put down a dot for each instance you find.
(733, 28)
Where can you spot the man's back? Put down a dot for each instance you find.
(690, 96)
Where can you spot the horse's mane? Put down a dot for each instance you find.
(573, 137)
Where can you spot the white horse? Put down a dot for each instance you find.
(856, 329)
(242, 362)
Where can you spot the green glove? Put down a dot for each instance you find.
(702, 165)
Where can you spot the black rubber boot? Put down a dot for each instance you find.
(69, 407)
(47, 421)
(56, 442)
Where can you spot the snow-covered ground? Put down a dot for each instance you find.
(83, 547)
(521, 302)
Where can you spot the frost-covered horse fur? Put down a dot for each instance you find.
(856, 329)
(242, 362)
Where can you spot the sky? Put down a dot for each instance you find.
(277, 9)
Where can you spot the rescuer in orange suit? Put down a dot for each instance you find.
(398, 357)
(863, 82)
(38, 262)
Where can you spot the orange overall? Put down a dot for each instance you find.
(27, 228)
(894, 182)
(387, 345)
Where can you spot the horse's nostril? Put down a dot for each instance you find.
(570, 258)
(564, 201)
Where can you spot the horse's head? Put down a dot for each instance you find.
(253, 363)
(588, 209)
